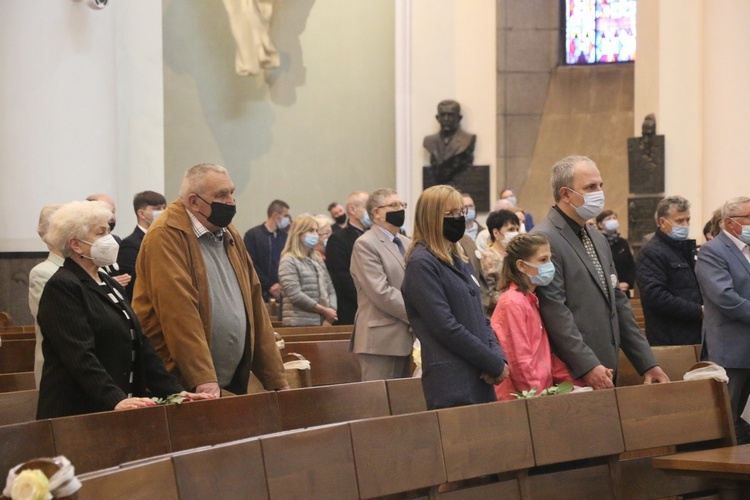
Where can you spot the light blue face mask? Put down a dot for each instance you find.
(679, 233)
(471, 214)
(310, 240)
(284, 223)
(545, 273)
(366, 220)
(744, 236)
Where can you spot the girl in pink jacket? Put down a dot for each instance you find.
(517, 323)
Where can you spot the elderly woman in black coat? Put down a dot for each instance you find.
(461, 357)
(95, 355)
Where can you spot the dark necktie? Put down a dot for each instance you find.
(400, 245)
(589, 246)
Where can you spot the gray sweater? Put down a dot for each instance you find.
(304, 283)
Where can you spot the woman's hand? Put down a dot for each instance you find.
(490, 380)
(133, 403)
(328, 314)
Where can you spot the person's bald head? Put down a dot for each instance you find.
(109, 201)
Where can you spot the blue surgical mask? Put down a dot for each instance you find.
(679, 233)
(593, 204)
(545, 273)
(310, 240)
(284, 223)
(366, 220)
(471, 214)
(744, 236)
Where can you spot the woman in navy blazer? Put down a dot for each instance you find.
(95, 355)
(461, 358)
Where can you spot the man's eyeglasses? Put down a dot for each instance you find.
(456, 213)
(396, 205)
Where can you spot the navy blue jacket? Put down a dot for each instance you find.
(265, 251)
(670, 295)
(444, 307)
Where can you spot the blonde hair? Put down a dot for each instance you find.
(294, 246)
(75, 219)
(45, 216)
(193, 179)
(428, 222)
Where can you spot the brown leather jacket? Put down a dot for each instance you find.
(171, 299)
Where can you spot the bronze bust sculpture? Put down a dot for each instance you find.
(646, 159)
(451, 150)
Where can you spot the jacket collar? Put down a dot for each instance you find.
(176, 216)
(389, 245)
(89, 282)
(566, 231)
(727, 241)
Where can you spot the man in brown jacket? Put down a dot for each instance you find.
(198, 297)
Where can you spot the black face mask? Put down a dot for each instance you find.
(341, 219)
(111, 226)
(453, 229)
(221, 213)
(396, 218)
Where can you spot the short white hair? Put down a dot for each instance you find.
(193, 180)
(75, 219)
(44, 219)
(323, 221)
(733, 206)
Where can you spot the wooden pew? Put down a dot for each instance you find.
(637, 307)
(675, 360)
(230, 470)
(398, 454)
(17, 356)
(286, 331)
(202, 423)
(18, 406)
(314, 337)
(330, 361)
(486, 439)
(575, 427)
(99, 440)
(316, 463)
(332, 404)
(685, 415)
(24, 442)
(144, 482)
(405, 395)
(19, 335)
(10, 382)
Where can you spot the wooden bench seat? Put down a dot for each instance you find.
(286, 331)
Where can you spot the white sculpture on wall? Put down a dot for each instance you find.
(250, 22)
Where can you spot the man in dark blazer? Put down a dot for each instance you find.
(147, 205)
(587, 316)
(723, 271)
(339, 255)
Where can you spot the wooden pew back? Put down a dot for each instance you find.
(18, 406)
(10, 382)
(405, 395)
(24, 442)
(17, 356)
(330, 361)
(332, 404)
(144, 482)
(288, 331)
(675, 360)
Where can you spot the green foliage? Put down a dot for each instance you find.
(563, 388)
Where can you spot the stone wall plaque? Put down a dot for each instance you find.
(475, 180)
(641, 210)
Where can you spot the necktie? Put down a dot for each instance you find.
(400, 245)
(589, 246)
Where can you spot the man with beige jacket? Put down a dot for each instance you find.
(382, 338)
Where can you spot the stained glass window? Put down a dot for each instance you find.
(599, 31)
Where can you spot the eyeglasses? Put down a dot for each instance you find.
(740, 216)
(455, 213)
(396, 205)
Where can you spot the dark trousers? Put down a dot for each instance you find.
(739, 390)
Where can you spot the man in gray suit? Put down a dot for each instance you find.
(723, 271)
(586, 315)
(382, 338)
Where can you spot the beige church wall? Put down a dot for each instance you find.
(588, 111)
(309, 132)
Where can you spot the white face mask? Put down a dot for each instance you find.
(593, 204)
(611, 225)
(103, 251)
(509, 236)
